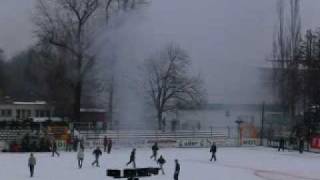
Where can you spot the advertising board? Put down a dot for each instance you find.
(315, 142)
(250, 142)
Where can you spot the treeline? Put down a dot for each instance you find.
(296, 65)
(57, 67)
(30, 76)
(61, 67)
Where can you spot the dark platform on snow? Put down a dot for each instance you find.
(132, 174)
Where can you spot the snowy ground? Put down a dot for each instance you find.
(233, 164)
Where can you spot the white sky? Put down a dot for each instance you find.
(224, 37)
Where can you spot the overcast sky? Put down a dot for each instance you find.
(225, 38)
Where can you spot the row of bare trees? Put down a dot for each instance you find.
(60, 67)
(296, 65)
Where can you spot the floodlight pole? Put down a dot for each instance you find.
(262, 124)
(239, 122)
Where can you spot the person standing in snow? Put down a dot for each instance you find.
(281, 144)
(97, 152)
(176, 170)
(132, 158)
(109, 145)
(161, 161)
(155, 149)
(31, 163)
(80, 157)
(54, 148)
(68, 144)
(213, 151)
(82, 144)
(75, 144)
(301, 145)
(105, 143)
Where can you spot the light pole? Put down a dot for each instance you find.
(262, 124)
(239, 122)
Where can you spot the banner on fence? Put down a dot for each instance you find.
(167, 143)
(61, 144)
(201, 143)
(3, 146)
(250, 142)
(194, 143)
(315, 142)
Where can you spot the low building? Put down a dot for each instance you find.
(20, 111)
(92, 118)
(223, 115)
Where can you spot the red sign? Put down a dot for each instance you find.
(315, 142)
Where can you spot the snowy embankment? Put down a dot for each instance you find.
(233, 164)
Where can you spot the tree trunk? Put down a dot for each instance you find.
(77, 101)
(159, 121)
(110, 108)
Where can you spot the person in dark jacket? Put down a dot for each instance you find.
(31, 163)
(54, 148)
(155, 149)
(176, 170)
(105, 143)
(69, 143)
(97, 153)
(75, 144)
(109, 145)
(281, 144)
(82, 144)
(301, 145)
(132, 158)
(213, 151)
(161, 161)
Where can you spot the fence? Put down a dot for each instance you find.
(145, 138)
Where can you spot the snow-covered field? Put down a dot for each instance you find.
(233, 164)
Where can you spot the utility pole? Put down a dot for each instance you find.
(262, 124)
(239, 122)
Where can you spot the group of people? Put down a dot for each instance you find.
(300, 144)
(132, 159)
(107, 144)
(160, 161)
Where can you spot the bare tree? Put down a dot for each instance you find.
(69, 29)
(168, 84)
(2, 74)
(286, 54)
(112, 6)
(67, 26)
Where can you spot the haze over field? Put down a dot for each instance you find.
(226, 39)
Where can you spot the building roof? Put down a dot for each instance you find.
(30, 103)
(93, 110)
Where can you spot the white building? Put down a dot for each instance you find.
(19, 111)
(223, 115)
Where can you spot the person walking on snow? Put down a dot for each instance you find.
(213, 151)
(301, 145)
(161, 161)
(31, 163)
(155, 149)
(281, 144)
(132, 158)
(105, 143)
(176, 170)
(97, 153)
(109, 145)
(80, 157)
(54, 148)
